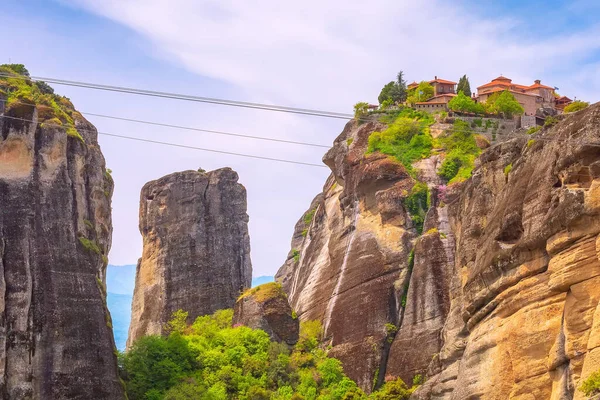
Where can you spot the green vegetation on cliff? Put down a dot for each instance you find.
(576, 106)
(462, 150)
(211, 360)
(22, 94)
(407, 138)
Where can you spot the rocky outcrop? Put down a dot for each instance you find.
(500, 298)
(196, 254)
(266, 307)
(56, 338)
(524, 292)
(349, 269)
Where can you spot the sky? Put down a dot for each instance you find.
(318, 55)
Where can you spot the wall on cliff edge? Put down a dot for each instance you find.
(500, 298)
(56, 339)
(196, 254)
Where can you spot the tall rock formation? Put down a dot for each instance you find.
(349, 263)
(196, 253)
(500, 298)
(56, 338)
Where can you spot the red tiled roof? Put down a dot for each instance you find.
(411, 85)
(495, 83)
(539, 85)
(442, 81)
(512, 91)
(431, 102)
(563, 98)
(502, 78)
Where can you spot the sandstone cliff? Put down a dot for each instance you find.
(196, 254)
(266, 307)
(56, 338)
(500, 296)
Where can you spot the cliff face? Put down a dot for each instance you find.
(350, 267)
(524, 288)
(196, 254)
(500, 299)
(56, 337)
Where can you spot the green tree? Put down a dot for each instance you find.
(464, 86)
(385, 95)
(423, 92)
(394, 90)
(393, 390)
(464, 103)
(591, 385)
(361, 109)
(576, 106)
(17, 68)
(504, 103)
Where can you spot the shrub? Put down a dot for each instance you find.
(462, 150)
(407, 139)
(417, 203)
(550, 121)
(361, 109)
(591, 385)
(507, 169)
(56, 110)
(576, 106)
(296, 255)
(533, 130)
(349, 141)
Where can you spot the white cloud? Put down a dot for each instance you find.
(333, 53)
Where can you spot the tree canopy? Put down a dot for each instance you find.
(211, 360)
(423, 92)
(504, 103)
(464, 86)
(463, 103)
(576, 106)
(394, 90)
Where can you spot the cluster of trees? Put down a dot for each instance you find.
(423, 92)
(394, 92)
(500, 103)
(211, 360)
(576, 106)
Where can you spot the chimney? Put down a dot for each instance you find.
(436, 77)
(537, 81)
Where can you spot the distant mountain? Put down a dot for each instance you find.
(120, 280)
(259, 280)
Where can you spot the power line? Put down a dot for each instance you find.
(177, 145)
(193, 129)
(178, 96)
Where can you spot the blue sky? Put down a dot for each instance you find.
(310, 54)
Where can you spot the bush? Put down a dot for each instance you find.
(576, 106)
(51, 108)
(591, 385)
(407, 139)
(533, 130)
(462, 150)
(550, 121)
(507, 169)
(417, 203)
(361, 109)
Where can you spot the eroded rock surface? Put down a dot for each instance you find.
(196, 254)
(354, 249)
(266, 307)
(501, 299)
(56, 338)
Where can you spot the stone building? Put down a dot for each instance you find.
(530, 97)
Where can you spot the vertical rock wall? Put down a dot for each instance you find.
(196, 253)
(56, 337)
